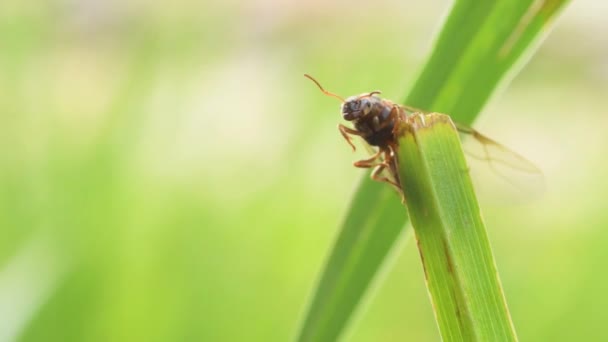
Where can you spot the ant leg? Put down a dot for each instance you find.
(388, 163)
(368, 163)
(345, 131)
(376, 175)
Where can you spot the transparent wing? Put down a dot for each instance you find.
(495, 153)
(496, 170)
(509, 173)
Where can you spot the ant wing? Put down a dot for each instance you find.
(411, 110)
(510, 173)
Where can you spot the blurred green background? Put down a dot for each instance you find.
(167, 174)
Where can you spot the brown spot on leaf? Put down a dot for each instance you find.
(426, 275)
(448, 257)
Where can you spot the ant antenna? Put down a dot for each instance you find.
(323, 90)
(375, 92)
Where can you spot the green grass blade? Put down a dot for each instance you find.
(349, 271)
(478, 44)
(459, 268)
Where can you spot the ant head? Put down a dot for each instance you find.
(356, 107)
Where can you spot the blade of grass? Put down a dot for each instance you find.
(477, 46)
(459, 267)
(479, 43)
(363, 234)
